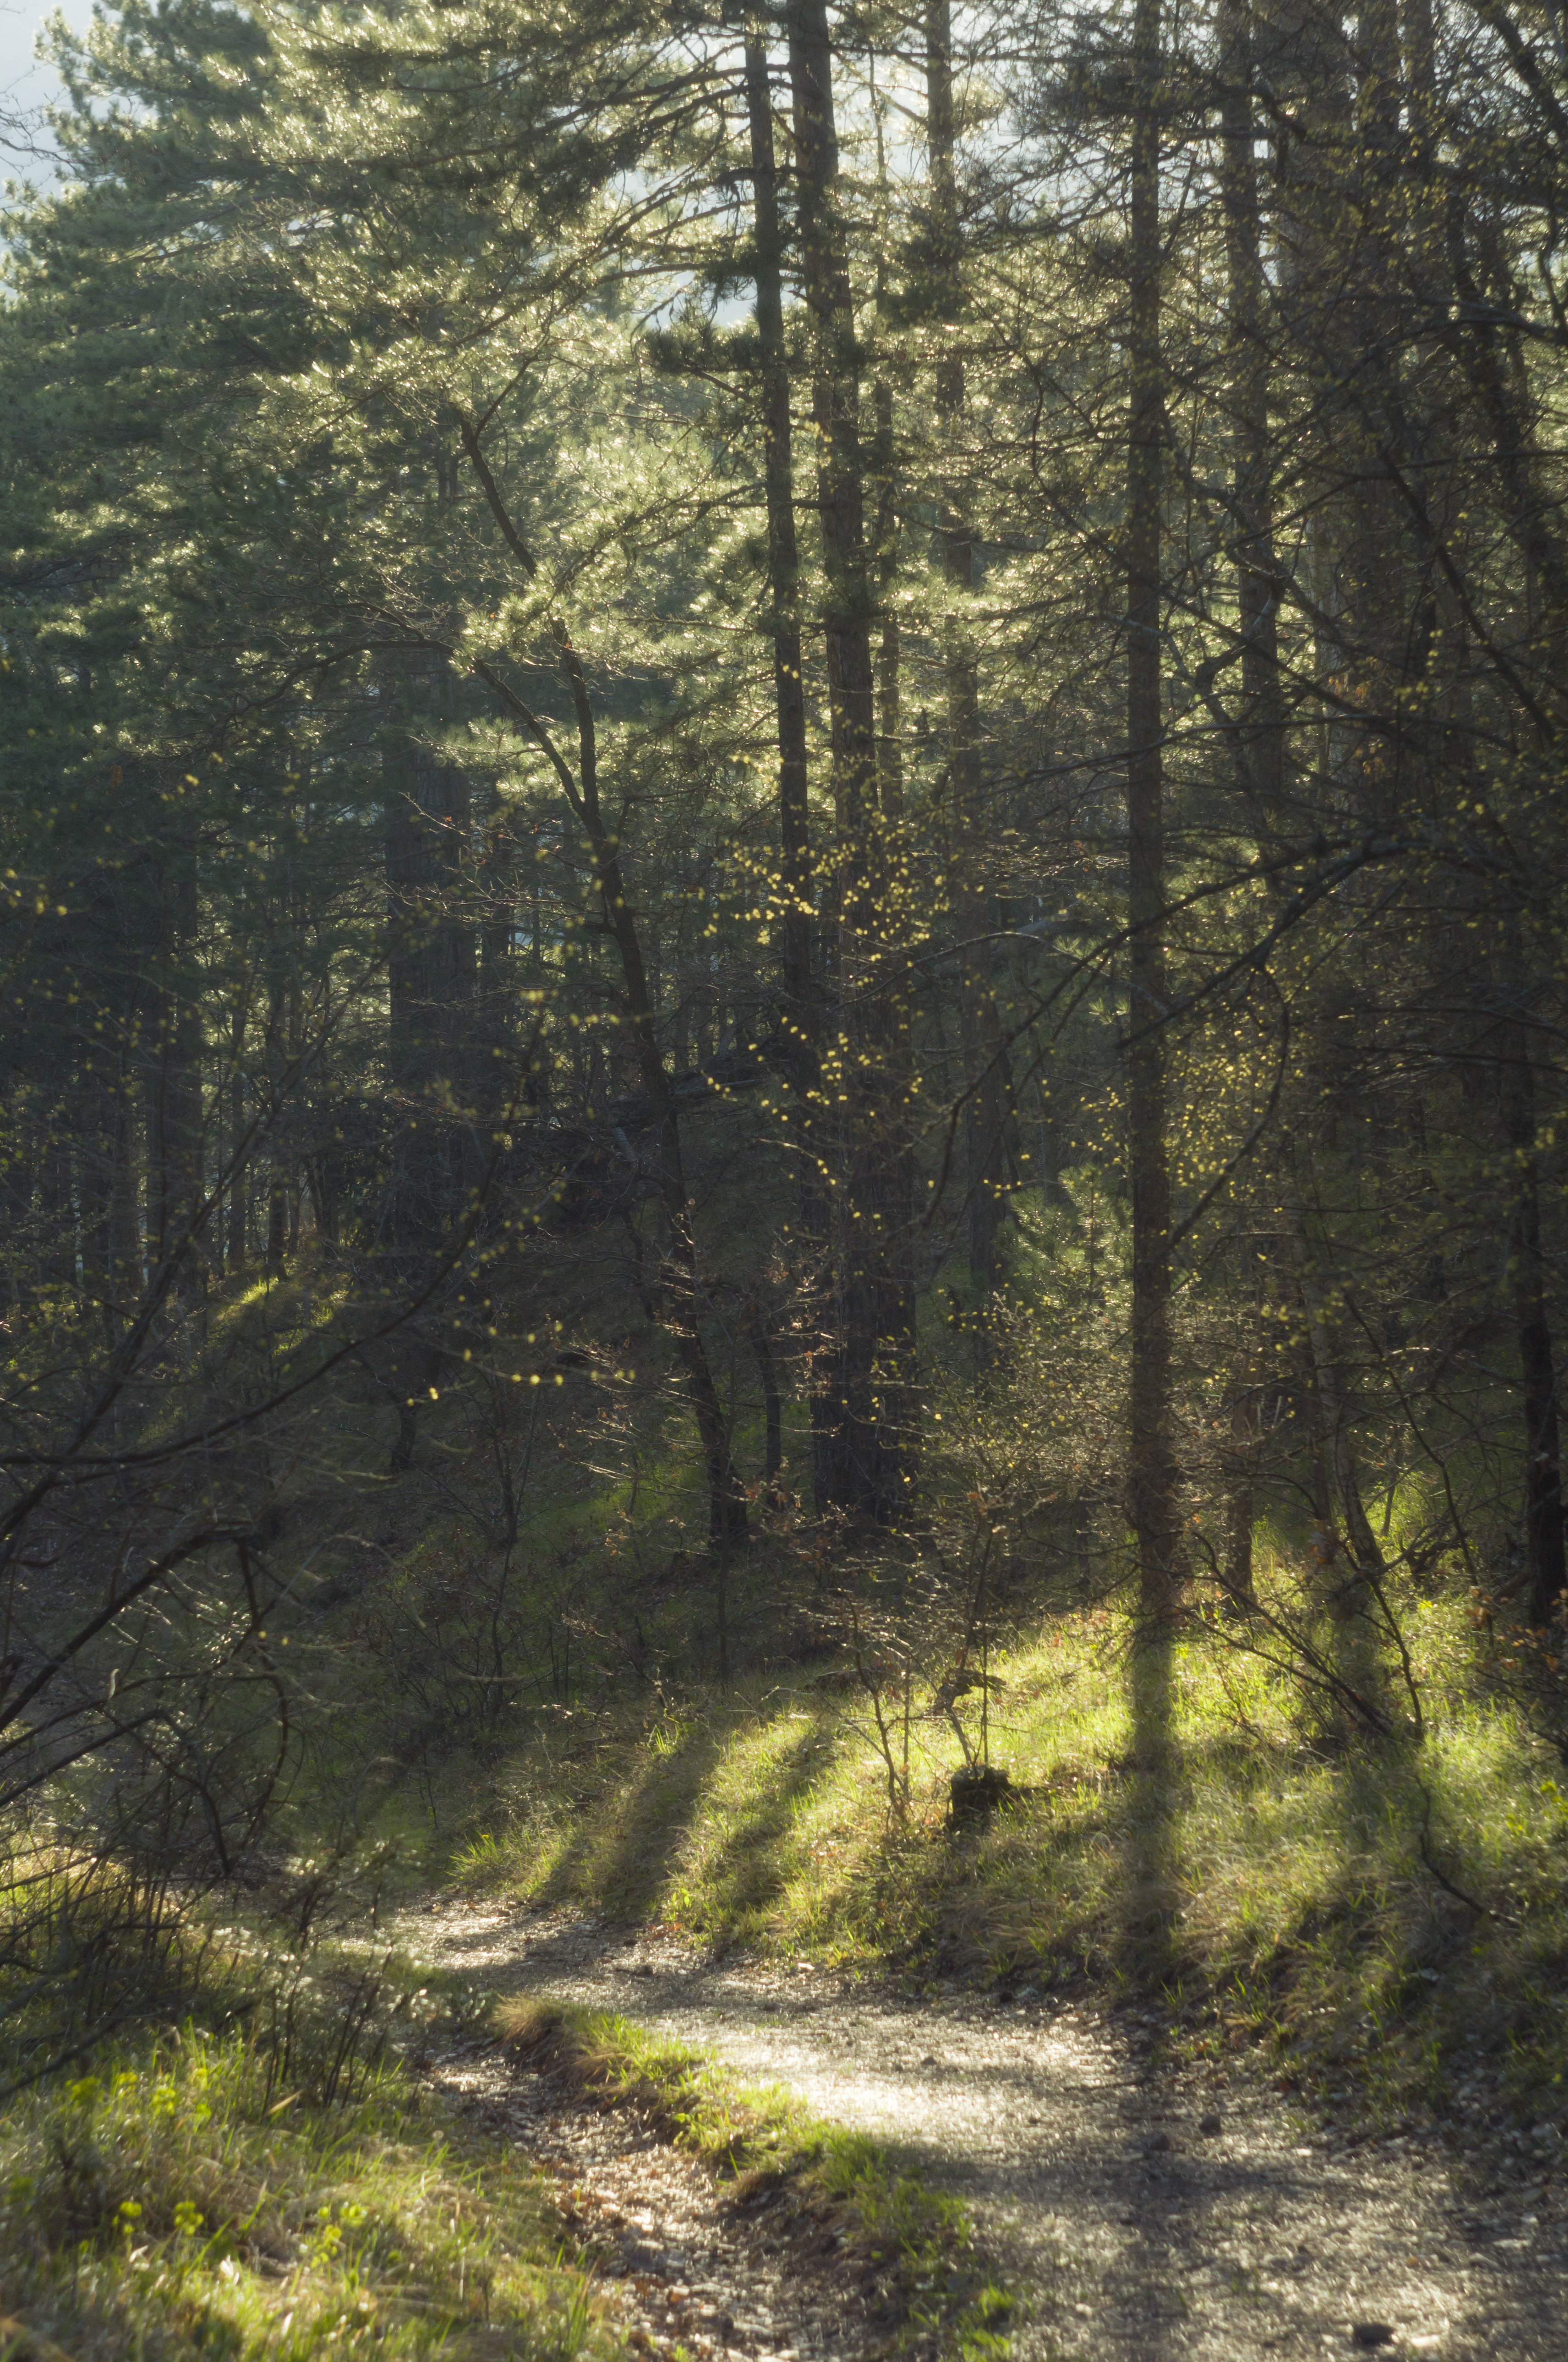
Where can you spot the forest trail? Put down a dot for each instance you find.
(1138, 2212)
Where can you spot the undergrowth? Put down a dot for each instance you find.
(263, 2177)
(169, 2202)
(211, 2146)
(1385, 1916)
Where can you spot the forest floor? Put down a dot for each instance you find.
(1134, 2206)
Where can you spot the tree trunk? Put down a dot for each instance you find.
(238, 1241)
(174, 1096)
(783, 571)
(1260, 727)
(124, 1208)
(275, 1051)
(869, 1463)
(56, 1264)
(431, 983)
(496, 1010)
(802, 1014)
(1335, 1441)
(726, 1496)
(1374, 453)
(889, 649)
(1241, 1507)
(987, 1081)
(1153, 1465)
(761, 1345)
(1544, 1553)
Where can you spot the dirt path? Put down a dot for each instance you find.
(1141, 2214)
(689, 2273)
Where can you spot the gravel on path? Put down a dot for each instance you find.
(684, 2269)
(1138, 2211)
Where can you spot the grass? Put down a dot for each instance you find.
(936, 2299)
(169, 2202)
(1274, 1887)
(209, 2146)
(267, 2179)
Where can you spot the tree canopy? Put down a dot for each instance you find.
(838, 731)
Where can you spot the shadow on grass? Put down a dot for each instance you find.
(1151, 1893)
(620, 1854)
(679, 1829)
(747, 1870)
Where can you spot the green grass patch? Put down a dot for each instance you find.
(172, 2202)
(1276, 1885)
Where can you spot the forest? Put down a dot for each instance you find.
(783, 877)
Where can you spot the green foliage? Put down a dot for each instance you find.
(168, 2200)
(515, 1206)
(1304, 1909)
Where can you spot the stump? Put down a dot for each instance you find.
(974, 1794)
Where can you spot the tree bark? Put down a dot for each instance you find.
(869, 1460)
(987, 1079)
(431, 974)
(726, 1499)
(237, 1235)
(174, 1096)
(1153, 1472)
(496, 1013)
(889, 647)
(1335, 1443)
(801, 1013)
(1544, 1539)
(1259, 727)
(772, 1407)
